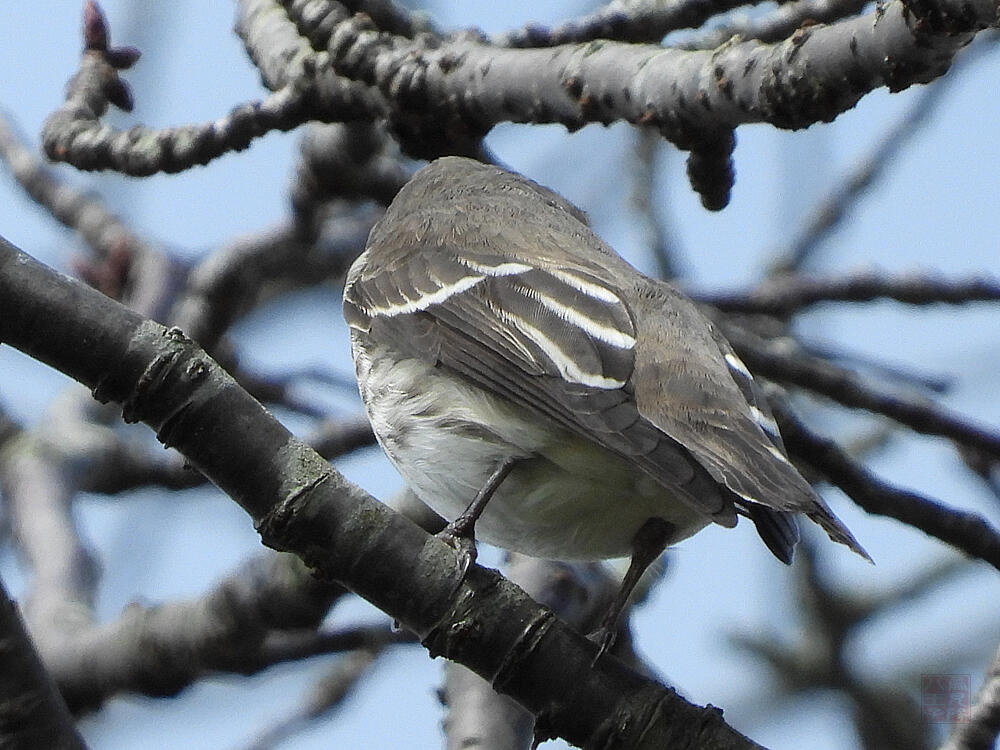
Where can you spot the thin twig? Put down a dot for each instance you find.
(647, 198)
(326, 696)
(75, 134)
(980, 728)
(622, 21)
(784, 362)
(779, 24)
(787, 294)
(968, 532)
(831, 210)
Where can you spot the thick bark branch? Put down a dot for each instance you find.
(299, 503)
(443, 94)
(161, 650)
(461, 85)
(32, 714)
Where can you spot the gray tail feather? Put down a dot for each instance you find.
(780, 532)
(777, 529)
(836, 530)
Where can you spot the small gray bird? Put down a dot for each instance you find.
(527, 381)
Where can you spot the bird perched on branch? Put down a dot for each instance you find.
(532, 387)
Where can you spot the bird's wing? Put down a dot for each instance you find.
(715, 410)
(485, 282)
(552, 338)
(778, 529)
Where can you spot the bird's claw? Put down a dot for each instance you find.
(463, 544)
(604, 637)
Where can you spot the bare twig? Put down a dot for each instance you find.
(74, 133)
(967, 532)
(293, 645)
(776, 25)
(39, 483)
(116, 464)
(979, 730)
(833, 208)
(884, 716)
(125, 265)
(280, 389)
(786, 294)
(252, 269)
(352, 161)
(622, 21)
(898, 374)
(647, 199)
(163, 649)
(784, 362)
(326, 696)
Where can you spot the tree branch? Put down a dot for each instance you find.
(32, 714)
(693, 97)
(160, 650)
(779, 24)
(787, 294)
(74, 133)
(968, 532)
(443, 95)
(326, 696)
(228, 283)
(300, 503)
(833, 208)
(819, 659)
(124, 264)
(981, 727)
(622, 21)
(776, 360)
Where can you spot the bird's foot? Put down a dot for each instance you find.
(462, 539)
(604, 637)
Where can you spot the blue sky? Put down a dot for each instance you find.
(935, 209)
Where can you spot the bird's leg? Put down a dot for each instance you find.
(647, 545)
(461, 533)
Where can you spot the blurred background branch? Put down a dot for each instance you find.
(159, 591)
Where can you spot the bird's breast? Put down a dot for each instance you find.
(568, 498)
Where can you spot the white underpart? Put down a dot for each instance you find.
(614, 336)
(569, 500)
(583, 286)
(563, 362)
